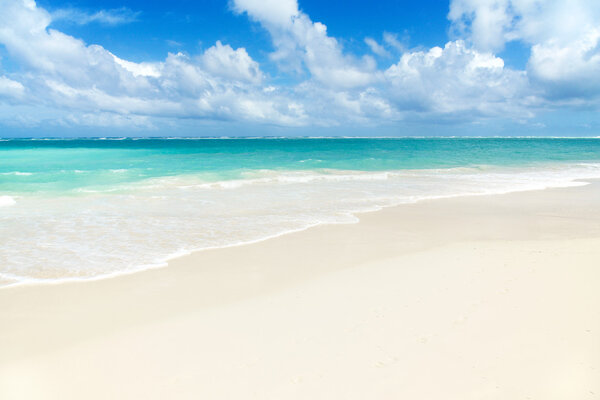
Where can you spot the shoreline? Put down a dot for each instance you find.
(164, 263)
(487, 295)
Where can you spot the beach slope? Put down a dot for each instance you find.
(483, 297)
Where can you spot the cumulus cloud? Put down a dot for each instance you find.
(439, 81)
(303, 43)
(63, 71)
(465, 80)
(567, 70)
(223, 60)
(455, 80)
(272, 13)
(488, 22)
(564, 37)
(10, 88)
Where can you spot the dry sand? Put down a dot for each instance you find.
(487, 297)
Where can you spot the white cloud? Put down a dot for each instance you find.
(568, 70)
(106, 120)
(376, 47)
(463, 81)
(63, 71)
(488, 21)
(274, 13)
(299, 41)
(138, 69)
(492, 23)
(456, 80)
(564, 37)
(391, 40)
(10, 88)
(222, 60)
(115, 16)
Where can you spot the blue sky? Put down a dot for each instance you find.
(309, 68)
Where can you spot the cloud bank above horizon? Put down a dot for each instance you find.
(317, 82)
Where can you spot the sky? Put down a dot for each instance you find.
(299, 68)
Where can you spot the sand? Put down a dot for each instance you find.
(484, 297)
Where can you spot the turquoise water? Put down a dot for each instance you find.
(66, 165)
(89, 208)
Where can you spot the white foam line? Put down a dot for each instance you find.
(17, 173)
(7, 201)
(160, 264)
(573, 182)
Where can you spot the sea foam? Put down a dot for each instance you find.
(17, 173)
(6, 201)
(101, 234)
(101, 208)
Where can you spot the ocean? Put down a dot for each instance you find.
(76, 209)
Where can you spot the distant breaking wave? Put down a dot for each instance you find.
(17, 173)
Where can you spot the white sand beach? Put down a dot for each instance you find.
(484, 297)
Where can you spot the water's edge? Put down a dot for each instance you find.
(355, 215)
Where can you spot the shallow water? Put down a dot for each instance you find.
(88, 208)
